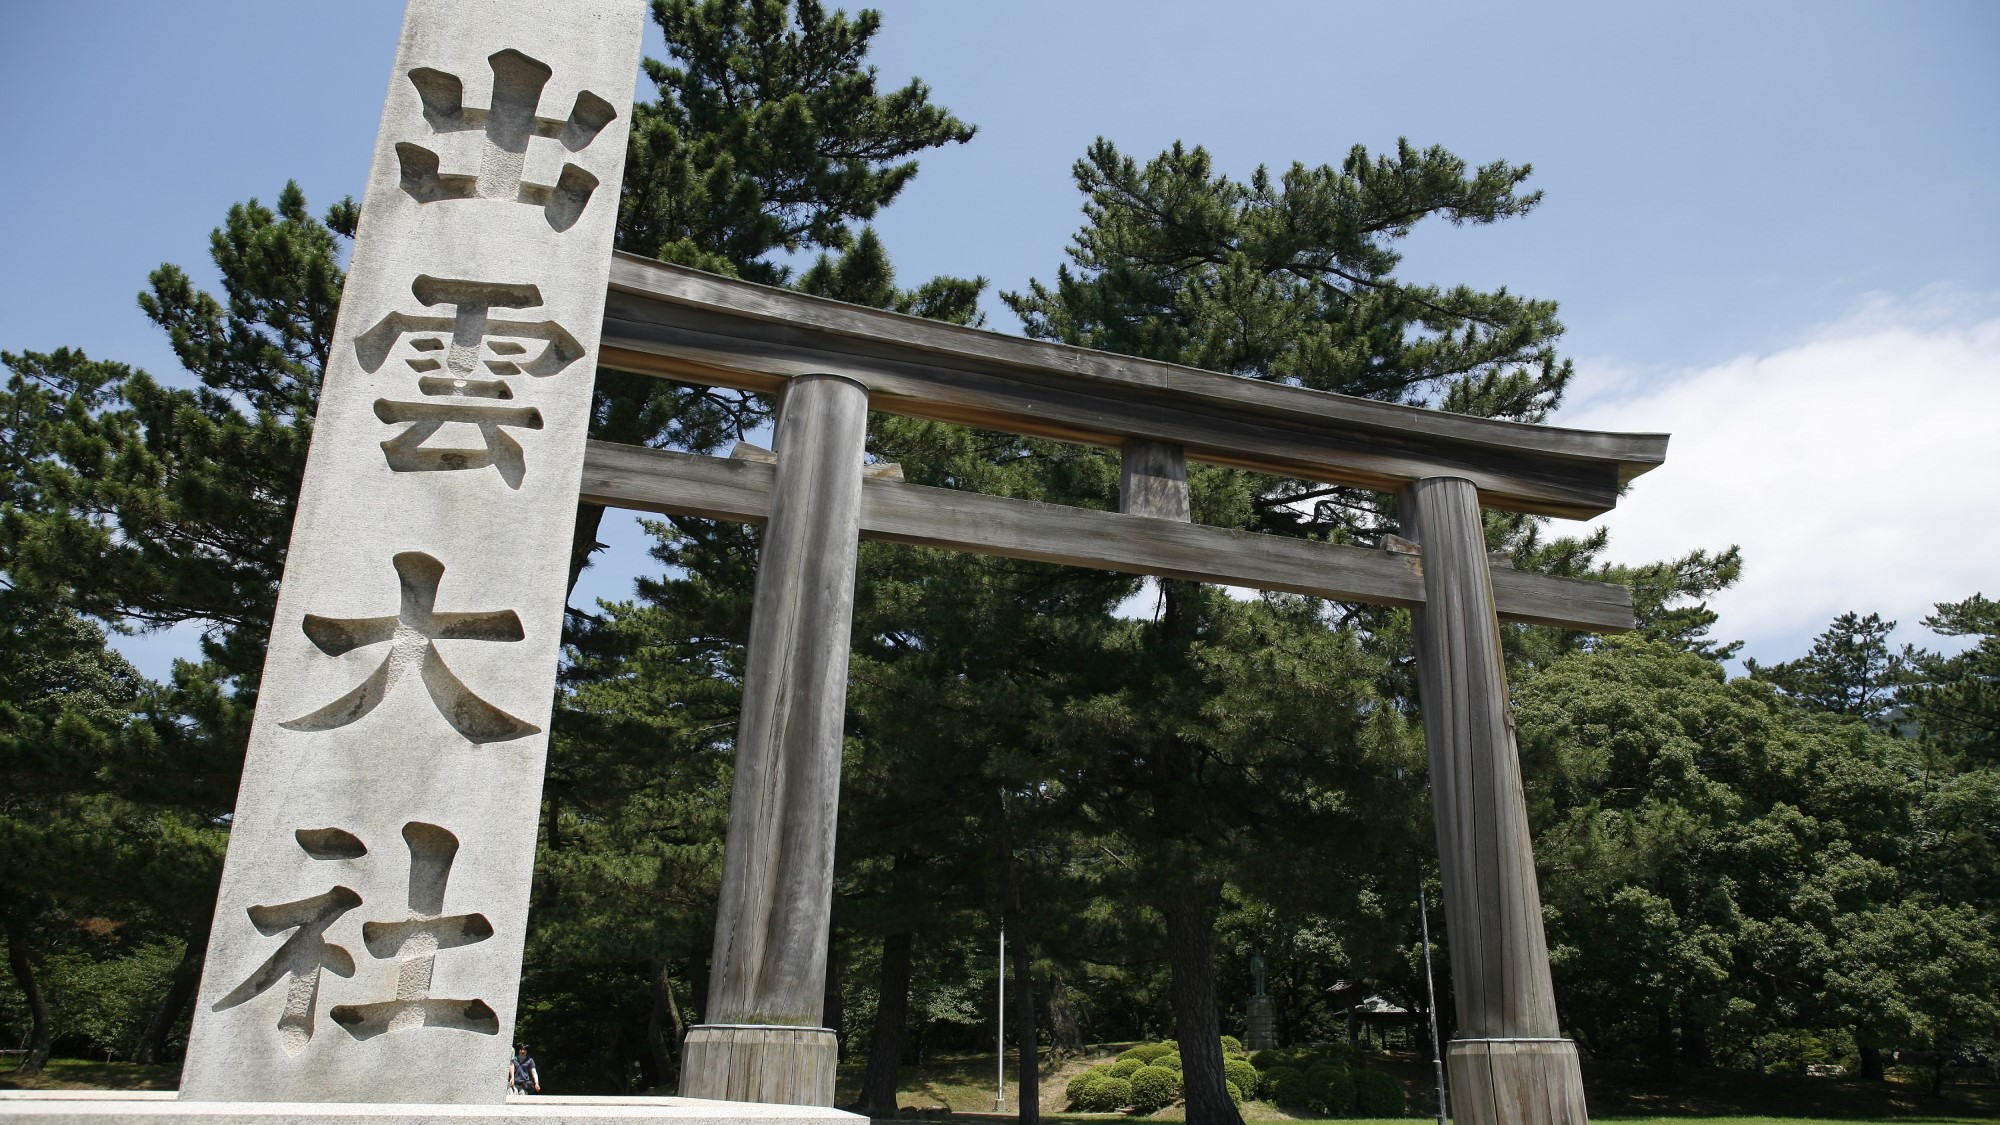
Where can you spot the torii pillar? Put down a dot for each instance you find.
(1509, 1064)
(762, 1040)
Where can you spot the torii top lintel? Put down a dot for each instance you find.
(699, 327)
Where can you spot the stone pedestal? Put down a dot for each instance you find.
(747, 1063)
(1260, 1025)
(1504, 1081)
(162, 1107)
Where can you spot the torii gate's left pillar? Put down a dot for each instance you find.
(367, 939)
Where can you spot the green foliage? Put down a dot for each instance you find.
(1232, 1045)
(770, 136)
(1955, 700)
(1235, 1092)
(1239, 1071)
(1155, 1087)
(1125, 1066)
(1266, 1059)
(1378, 1095)
(1330, 1089)
(1286, 1086)
(1850, 670)
(1670, 598)
(1171, 1060)
(1705, 833)
(1108, 1096)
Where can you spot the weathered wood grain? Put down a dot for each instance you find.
(684, 324)
(1152, 481)
(779, 1065)
(678, 483)
(777, 870)
(1499, 954)
(1513, 1082)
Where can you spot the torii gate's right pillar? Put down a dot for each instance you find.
(1509, 1064)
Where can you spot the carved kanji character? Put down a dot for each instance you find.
(414, 942)
(413, 634)
(510, 122)
(464, 360)
(304, 954)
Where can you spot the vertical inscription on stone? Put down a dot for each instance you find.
(412, 658)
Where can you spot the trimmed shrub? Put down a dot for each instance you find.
(1080, 1085)
(1138, 1053)
(1286, 1086)
(1232, 1045)
(1242, 1073)
(1123, 1068)
(1235, 1093)
(1329, 1089)
(1154, 1087)
(1107, 1095)
(1171, 1060)
(1265, 1060)
(1377, 1095)
(1152, 1051)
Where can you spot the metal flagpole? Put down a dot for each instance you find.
(1430, 991)
(1000, 1054)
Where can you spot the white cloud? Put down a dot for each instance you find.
(1858, 469)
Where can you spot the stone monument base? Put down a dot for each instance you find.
(1260, 1024)
(162, 1107)
(1515, 1082)
(760, 1063)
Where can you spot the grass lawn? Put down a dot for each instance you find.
(1616, 1092)
(1627, 1095)
(83, 1074)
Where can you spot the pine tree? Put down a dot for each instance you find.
(148, 504)
(1850, 670)
(1288, 278)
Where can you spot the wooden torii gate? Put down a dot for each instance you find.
(369, 928)
(832, 363)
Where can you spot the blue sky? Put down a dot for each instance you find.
(1773, 228)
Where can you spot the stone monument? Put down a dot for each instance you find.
(1260, 1018)
(367, 939)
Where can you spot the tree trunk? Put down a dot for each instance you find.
(833, 1006)
(583, 540)
(38, 1009)
(664, 1029)
(1871, 1064)
(186, 980)
(698, 994)
(1030, 1085)
(892, 1011)
(1065, 1036)
(1190, 908)
(1190, 933)
(1695, 1053)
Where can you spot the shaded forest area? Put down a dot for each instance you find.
(1791, 867)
